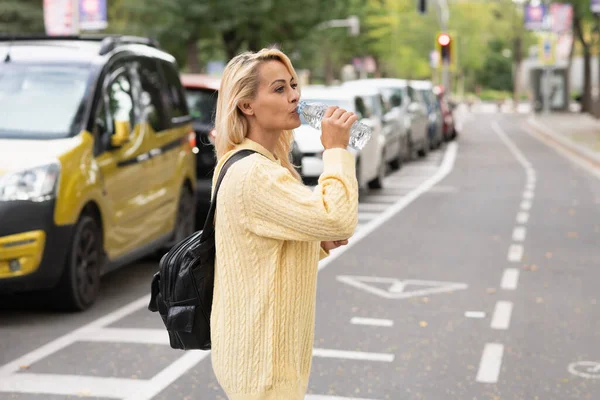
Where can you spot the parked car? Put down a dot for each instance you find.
(448, 125)
(395, 121)
(425, 88)
(371, 166)
(201, 92)
(96, 162)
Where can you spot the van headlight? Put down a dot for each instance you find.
(34, 184)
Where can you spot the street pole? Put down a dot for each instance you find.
(547, 67)
(444, 16)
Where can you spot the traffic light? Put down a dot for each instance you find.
(444, 42)
(422, 6)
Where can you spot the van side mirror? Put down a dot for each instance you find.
(121, 135)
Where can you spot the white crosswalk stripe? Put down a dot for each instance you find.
(396, 186)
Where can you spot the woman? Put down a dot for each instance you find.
(271, 230)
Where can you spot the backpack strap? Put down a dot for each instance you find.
(209, 224)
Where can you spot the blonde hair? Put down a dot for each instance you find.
(240, 82)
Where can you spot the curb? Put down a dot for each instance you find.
(560, 140)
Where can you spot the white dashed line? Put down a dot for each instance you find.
(371, 321)
(510, 279)
(502, 314)
(528, 194)
(490, 364)
(353, 355)
(515, 253)
(522, 217)
(526, 205)
(519, 233)
(475, 314)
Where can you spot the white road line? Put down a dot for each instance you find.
(383, 198)
(71, 337)
(515, 253)
(526, 205)
(353, 355)
(490, 364)
(528, 194)
(530, 186)
(475, 314)
(577, 160)
(522, 217)
(502, 313)
(127, 335)
(71, 385)
(513, 149)
(510, 279)
(519, 233)
(371, 321)
(444, 169)
(367, 215)
(169, 375)
(372, 207)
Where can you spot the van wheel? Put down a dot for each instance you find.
(80, 282)
(185, 224)
(377, 183)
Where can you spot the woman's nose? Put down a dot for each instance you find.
(295, 96)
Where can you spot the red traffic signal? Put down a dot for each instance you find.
(444, 39)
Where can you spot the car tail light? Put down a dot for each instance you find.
(191, 139)
(212, 135)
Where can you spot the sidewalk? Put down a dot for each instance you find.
(579, 133)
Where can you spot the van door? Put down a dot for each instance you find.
(122, 159)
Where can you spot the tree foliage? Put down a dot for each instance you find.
(21, 16)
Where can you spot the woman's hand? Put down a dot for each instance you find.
(330, 245)
(335, 127)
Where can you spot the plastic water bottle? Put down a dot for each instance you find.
(313, 114)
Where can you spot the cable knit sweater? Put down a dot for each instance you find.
(268, 232)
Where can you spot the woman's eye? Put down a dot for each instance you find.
(294, 86)
(279, 89)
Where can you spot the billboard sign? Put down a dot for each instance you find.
(561, 15)
(535, 17)
(58, 17)
(92, 15)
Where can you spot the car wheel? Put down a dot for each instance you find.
(424, 150)
(410, 148)
(396, 163)
(185, 223)
(377, 183)
(80, 282)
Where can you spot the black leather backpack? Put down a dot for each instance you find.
(182, 289)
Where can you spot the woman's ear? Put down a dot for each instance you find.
(246, 108)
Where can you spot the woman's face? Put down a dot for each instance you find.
(274, 106)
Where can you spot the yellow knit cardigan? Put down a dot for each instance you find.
(268, 232)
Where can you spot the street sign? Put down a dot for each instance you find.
(561, 15)
(58, 17)
(92, 15)
(547, 48)
(392, 288)
(535, 17)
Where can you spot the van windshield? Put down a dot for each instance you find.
(41, 101)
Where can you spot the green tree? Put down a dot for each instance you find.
(497, 69)
(21, 16)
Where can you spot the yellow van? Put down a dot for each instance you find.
(96, 161)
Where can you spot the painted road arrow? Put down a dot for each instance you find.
(393, 288)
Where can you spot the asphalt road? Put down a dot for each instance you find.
(473, 275)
